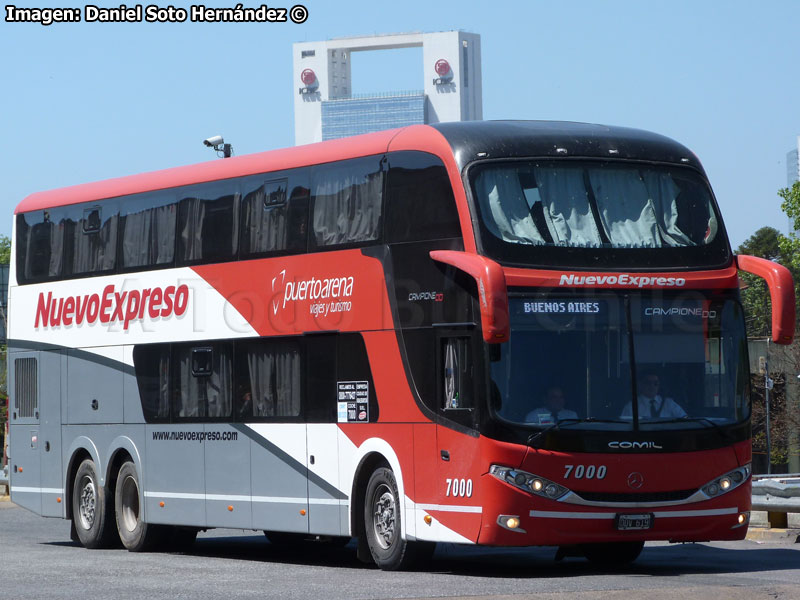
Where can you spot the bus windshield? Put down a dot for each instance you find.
(573, 359)
(579, 208)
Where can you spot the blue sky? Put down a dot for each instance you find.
(83, 102)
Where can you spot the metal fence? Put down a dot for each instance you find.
(777, 494)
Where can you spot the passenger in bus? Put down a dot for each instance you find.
(244, 402)
(651, 404)
(553, 409)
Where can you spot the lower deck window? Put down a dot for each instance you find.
(269, 379)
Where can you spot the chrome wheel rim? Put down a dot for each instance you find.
(383, 516)
(87, 502)
(130, 503)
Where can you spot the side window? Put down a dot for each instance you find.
(147, 229)
(269, 379)
(458, 388)
(347, 202)
(40, 245)
(274, 214)
(203, 378)
(419, 199)
(152, 366)
(92, 238)
(208, 223)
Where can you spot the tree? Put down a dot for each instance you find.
(764, 243)
(790, 245)
(5, 250)
(769, 243)
(784, 422)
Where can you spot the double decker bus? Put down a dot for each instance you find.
(496, 333)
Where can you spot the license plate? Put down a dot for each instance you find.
(634, 522)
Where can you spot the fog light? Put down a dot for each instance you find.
(742, 519)
(510, 522)
(713, 489)
(537, 485)
(551, 490)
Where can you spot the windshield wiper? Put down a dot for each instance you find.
(537, 434)
(724, 434)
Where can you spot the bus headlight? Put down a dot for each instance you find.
(727, 482)
(529, 482)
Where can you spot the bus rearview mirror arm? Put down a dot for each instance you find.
(781, 292)
(492, 295)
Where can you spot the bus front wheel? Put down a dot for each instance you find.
(136, 535)
(382, 524)
(92, 509)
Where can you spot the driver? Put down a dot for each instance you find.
(553, 409)
(651, 404)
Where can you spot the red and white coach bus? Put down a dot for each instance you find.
(505, 333)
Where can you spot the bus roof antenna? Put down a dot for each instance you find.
(219, 145)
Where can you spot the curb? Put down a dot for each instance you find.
(774, 535)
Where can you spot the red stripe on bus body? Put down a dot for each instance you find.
(329, 291)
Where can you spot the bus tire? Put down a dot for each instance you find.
(136, 535)
(92, 508)
(382, 523)
(613, 554)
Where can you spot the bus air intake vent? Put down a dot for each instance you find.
(671, 496)
(26, 396)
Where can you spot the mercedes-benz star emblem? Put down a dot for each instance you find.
(635, 480)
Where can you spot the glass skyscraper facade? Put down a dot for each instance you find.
(355, 115)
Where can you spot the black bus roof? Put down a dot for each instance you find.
(475, 140)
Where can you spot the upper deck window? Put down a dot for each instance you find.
(40, 244)
(148, 230)
(274, 214)
(602, 208)
(347, 200)
(93, 238)
(419, 203)
(208, 217)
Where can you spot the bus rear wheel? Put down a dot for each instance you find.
(615, 554)
(136, 535)
(91, 508)
(382, 524)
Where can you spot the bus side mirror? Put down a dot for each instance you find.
(781, 292)
(492, 295)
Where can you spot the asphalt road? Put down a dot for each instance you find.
(38, 560)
